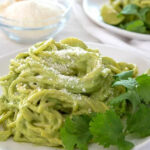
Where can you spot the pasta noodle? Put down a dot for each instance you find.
(51, 82)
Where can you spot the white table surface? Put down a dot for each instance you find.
(71, 29)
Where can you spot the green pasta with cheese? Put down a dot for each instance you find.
(50, 82)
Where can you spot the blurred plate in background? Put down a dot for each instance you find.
(92, 10)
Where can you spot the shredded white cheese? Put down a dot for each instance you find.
(33, 13)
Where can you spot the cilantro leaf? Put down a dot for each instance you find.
(136, 19)
(143, 88)
(136, 26)
(139, 123)
(131, 93)
(120, 98)
(131, 96)
(124, 75)
(129, 84)
(75, 133)
(130, 9)
(125, 145)
(145, 15)
(107, 130)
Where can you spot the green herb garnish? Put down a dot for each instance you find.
(109, 128)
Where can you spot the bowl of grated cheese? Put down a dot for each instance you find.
(28, 21)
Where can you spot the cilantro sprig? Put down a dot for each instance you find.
(138, 123)
(143, 88)
(75, 133)
(137, 19)
(137, 90)
(108, 128)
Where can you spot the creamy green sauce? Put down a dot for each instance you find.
(51, 82)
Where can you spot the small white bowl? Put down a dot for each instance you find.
(34, 34)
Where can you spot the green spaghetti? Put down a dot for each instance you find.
(53, 81)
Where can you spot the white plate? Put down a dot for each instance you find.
(114, 52)
(92, 10)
